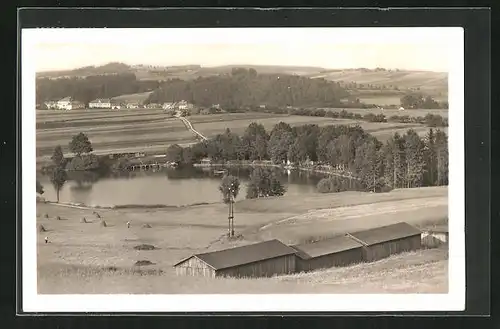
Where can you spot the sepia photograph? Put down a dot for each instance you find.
(248, 164)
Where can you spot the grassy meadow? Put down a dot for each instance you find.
(89, 258)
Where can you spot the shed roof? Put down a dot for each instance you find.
(326, 247)
(66, 99)
(244, 255)
(385, 233)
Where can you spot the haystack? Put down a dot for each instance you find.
(46, 216)
(145, 247)
(83, 220)
(96, 214)
(103, 223)
(41, 228)
(143, 263)
(146, 225)
(58, 218)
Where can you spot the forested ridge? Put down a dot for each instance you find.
(244, 87)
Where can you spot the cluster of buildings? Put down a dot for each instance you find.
(68, 103)
(270, 258)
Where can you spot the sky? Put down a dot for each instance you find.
(427, 49)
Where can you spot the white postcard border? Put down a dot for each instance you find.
(453, 301)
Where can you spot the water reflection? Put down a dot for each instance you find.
(165, 186)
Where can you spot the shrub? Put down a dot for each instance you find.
(145, 247)
(84, 162)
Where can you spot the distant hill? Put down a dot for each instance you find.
(425, 80)
(110, 68)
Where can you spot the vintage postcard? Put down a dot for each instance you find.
(255, 169)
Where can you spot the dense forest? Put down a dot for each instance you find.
(91, 87)
(403, 161)
(244, 87)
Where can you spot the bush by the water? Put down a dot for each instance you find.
(84, 162)
(338, 184)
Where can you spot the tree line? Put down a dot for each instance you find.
(430, 120)
(419, 101)
(403, 161)
(91, 87)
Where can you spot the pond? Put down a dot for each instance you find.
(166, 186)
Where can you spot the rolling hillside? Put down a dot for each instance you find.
(378, 86)
(403, 79)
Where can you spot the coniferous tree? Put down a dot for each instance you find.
(414, 150)
(442, 157)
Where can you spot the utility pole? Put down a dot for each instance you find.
(231, 211)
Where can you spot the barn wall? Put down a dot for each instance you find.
(194, 266)
(385, 249)
(264, 268)
(343, 258)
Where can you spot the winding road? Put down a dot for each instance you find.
(190, 126)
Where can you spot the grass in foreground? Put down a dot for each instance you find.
(423, 271)
(79, 256)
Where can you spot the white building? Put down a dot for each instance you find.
(64, 103)
(116, 105)
(132, 105)
(50, 105)
(68, 103)
(168, 106)
(100, 103)
(184, 105)
(153, 106)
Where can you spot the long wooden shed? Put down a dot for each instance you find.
(336, 251)
(262, 259)
(387, 240)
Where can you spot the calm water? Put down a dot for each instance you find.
(168, 187)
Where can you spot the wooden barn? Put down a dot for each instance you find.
(435, 237)
(387, 240)
(337, 251)
(262, 259)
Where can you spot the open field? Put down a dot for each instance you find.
(76, 258)
(144, 129)
(425, 80)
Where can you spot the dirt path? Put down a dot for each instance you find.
(189, 126)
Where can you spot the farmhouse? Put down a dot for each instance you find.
(50, 105)
(336, 251)
(116, 105)
(435, 237)
(262, 259)
(134, 105)
(100, 103)
(168, 106)
(387, 240)
(184, 105)
(153, 106)
(68, 103)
